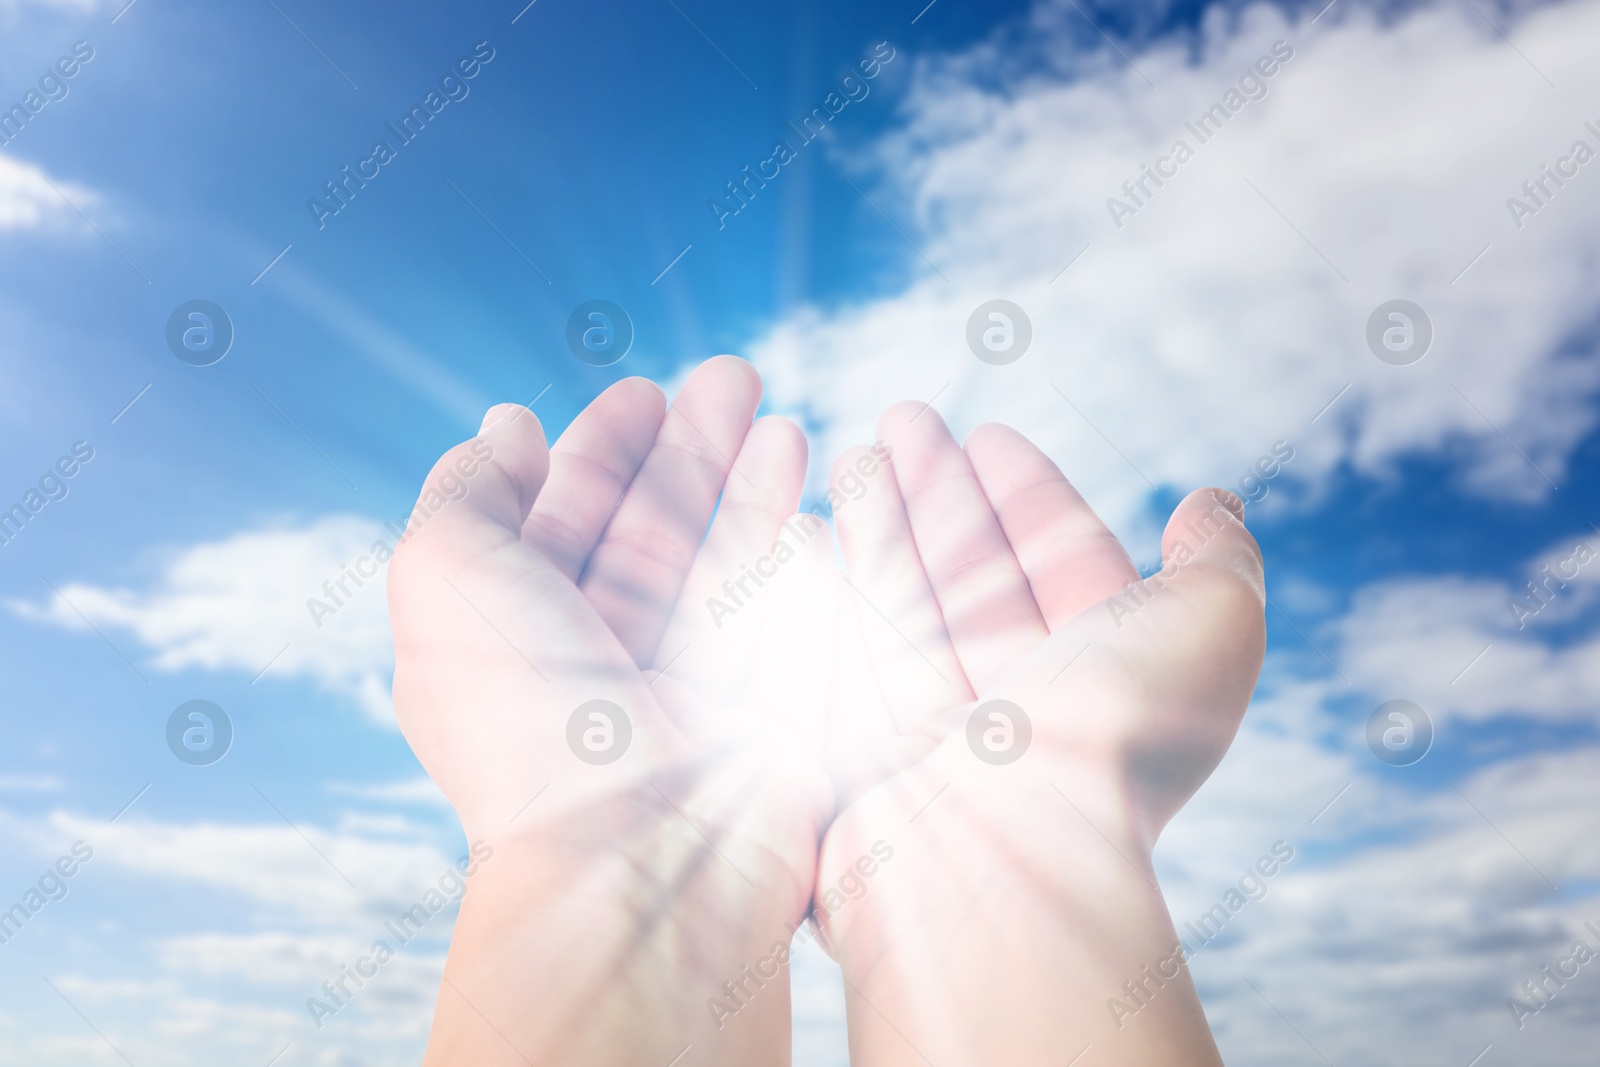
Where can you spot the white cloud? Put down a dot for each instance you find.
(237, 603)
(284, 959)
(27, 201)
(1408, 914)
(1415, 637)
(316, 877)
(30, 783)
(117, 989)
(1405, 951)
(272, 919)
(419, 790)
(1207, 327)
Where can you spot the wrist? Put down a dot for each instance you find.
(620, 922)
(1057, 837)
(1018, 905)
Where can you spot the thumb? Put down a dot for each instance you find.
(1208, 526)
(483, 489)
(1203, 611)
(471, 508)
(1193, 635)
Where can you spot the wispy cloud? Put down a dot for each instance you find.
(1403, 948)
(301, 875)
(420, 790)
(241, 604)
(30, 783)
(31, 200)
(1478, 648)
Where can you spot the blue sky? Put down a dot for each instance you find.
(1224, 317)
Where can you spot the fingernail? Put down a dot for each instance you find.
(1229, 501)
(494, 416)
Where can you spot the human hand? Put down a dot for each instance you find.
(618, 893)
(1021, 896)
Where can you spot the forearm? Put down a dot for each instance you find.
(600, 949)
(1016, 927)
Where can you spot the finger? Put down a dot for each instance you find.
(483, 623)
(1209, 523)
(1210, 587)
(591, 466)
(714, 624)
(481, 490)
(1200, 618)
(982, 591)
(1193, 635)
(636, 572)
(904, 633)
(1070, 557)
(471, 509)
